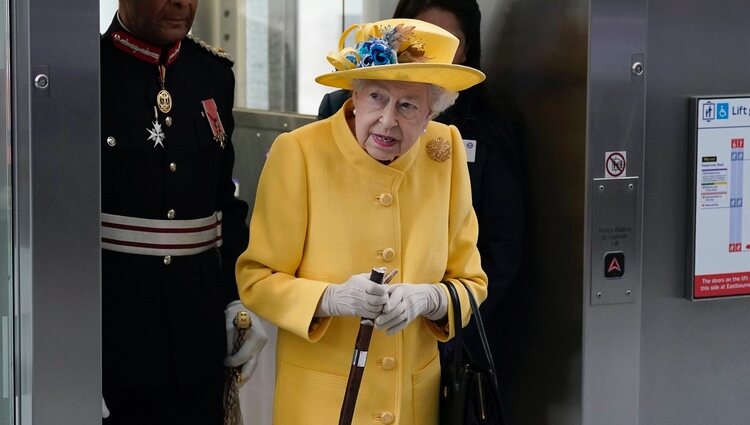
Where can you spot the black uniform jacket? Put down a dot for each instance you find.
(163, 318)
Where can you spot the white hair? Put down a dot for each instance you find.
(440, 98)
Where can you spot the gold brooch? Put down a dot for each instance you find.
(438, 149)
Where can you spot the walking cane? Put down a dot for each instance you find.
(360, 354)
(232, 414)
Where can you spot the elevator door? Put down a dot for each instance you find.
(6, 278)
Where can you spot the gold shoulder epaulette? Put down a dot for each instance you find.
(216, 51)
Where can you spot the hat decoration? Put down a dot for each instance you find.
(386, 45)
(407, 50)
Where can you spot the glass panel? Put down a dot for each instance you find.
(266, 66)
(6, 277)
(107, 10)
(279, 48)
(283, 48)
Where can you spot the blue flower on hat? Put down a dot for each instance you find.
(386, 45)
(376, 51)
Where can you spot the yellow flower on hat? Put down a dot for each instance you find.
(344, 59)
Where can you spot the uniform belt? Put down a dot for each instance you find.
(143, 236)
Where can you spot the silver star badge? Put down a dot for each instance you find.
(157, 135)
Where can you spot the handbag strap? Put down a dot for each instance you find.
(483, 337)
(457, 326)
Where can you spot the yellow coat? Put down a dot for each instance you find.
(326, 210)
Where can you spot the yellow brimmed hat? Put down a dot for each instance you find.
(399, 50)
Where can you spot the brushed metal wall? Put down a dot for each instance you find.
(612, 306)
(56, 212)
(694, 367)
(6, 229)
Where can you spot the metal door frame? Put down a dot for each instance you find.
(55, 125)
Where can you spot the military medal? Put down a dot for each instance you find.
(214, 120)
(163, 98)
(156, 133)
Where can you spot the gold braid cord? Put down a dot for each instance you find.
(232, 412)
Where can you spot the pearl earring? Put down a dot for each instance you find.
(354, 111)
(424, 131)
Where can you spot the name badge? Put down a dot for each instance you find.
(471, 149)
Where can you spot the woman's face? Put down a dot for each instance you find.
(390, 116)
(447, 21)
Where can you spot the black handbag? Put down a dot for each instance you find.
(469, 392)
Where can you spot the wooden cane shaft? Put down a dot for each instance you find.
(359, 359)
(355, 374)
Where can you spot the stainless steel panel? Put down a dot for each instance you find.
(56, 214)
(7, 372)
(618, 71)
(615, 241)
(693, 363)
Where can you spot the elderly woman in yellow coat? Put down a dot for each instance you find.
(376, 185)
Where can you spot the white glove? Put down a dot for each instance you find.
(255, 340)
(406, 301)
(105, 411)
(358, 296)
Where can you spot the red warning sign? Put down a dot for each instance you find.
(721, 285)
(615, 164)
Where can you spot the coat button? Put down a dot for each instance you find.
(170, 214)
(387, 417)
(167, 259)
(385, 199)
(172, 167)
(389, 254)
(388, 363)
(111, 141)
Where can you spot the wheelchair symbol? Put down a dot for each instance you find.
(722, 111)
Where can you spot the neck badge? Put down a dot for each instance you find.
(163, 98)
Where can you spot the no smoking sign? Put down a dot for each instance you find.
(615, 164)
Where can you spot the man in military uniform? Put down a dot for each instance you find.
(171, 225)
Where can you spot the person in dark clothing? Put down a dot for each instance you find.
(171, 227)
(492, 153)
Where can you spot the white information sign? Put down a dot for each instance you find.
(721, 244)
